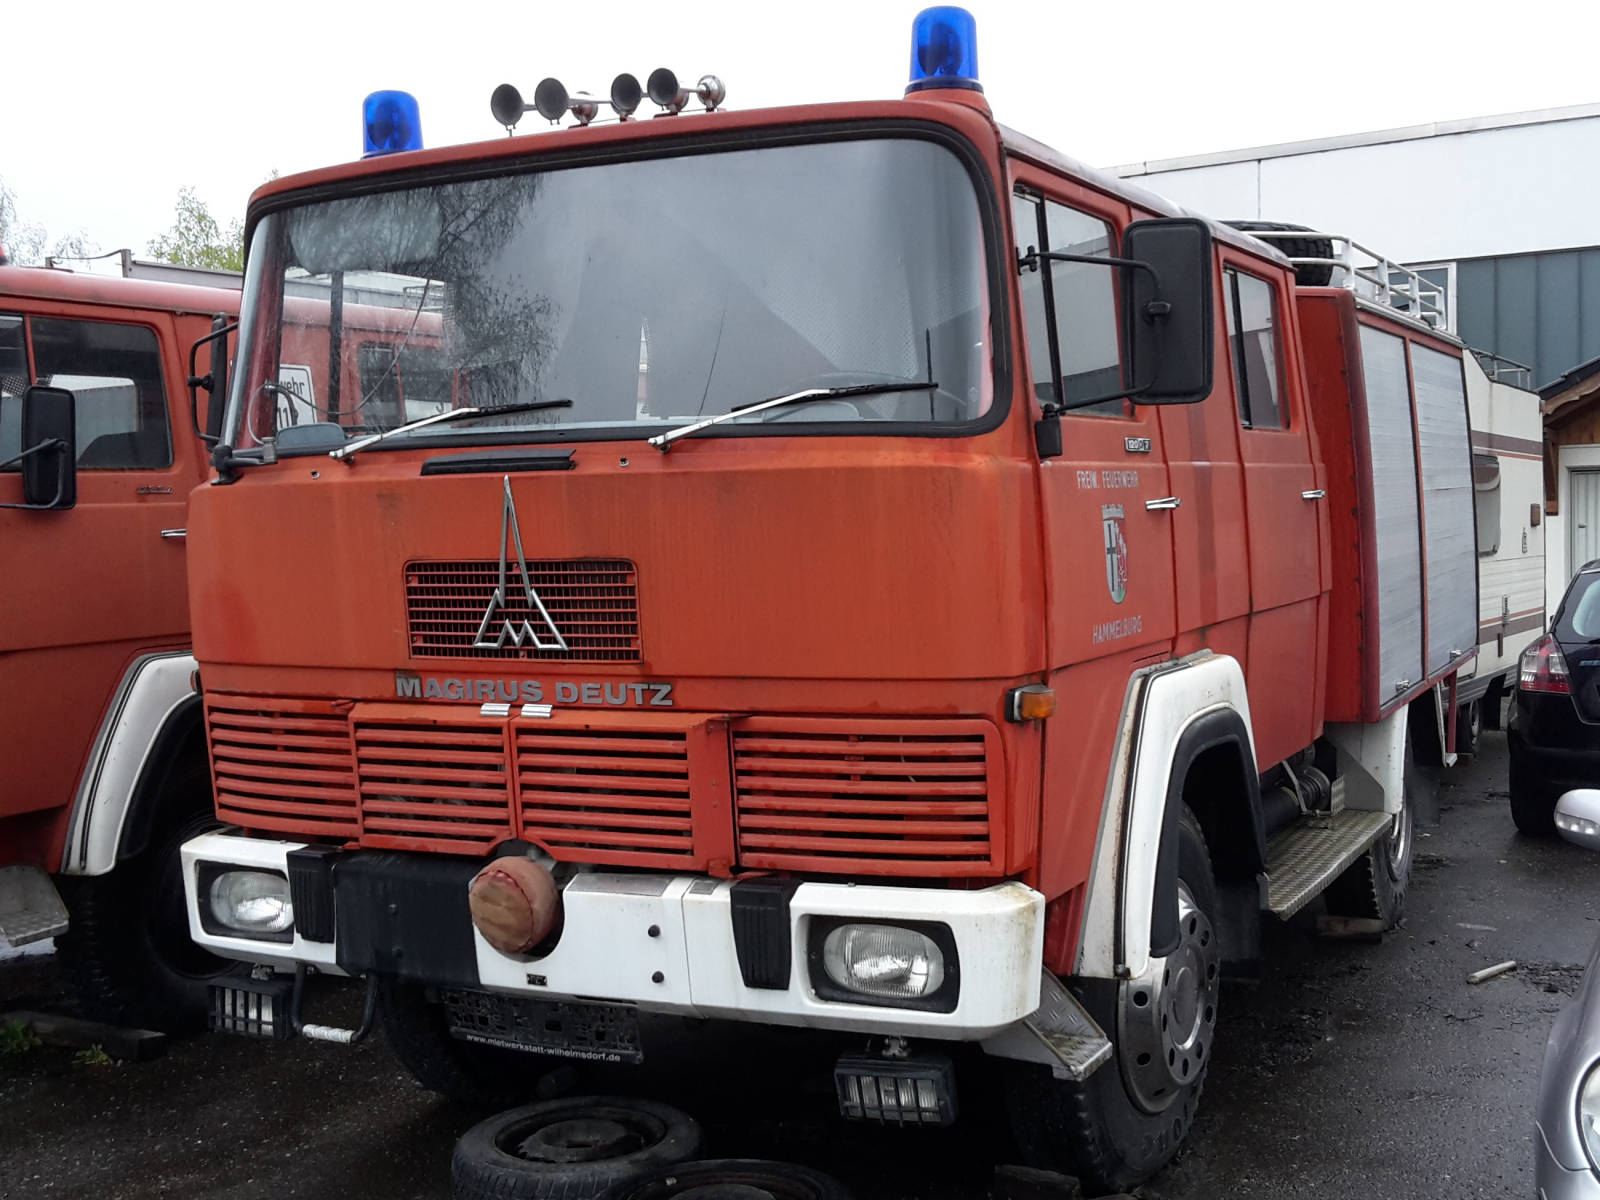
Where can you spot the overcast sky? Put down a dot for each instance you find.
(107, 110)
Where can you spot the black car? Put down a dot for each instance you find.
(1554, 731)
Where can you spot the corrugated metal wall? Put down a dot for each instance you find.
(1539, 309)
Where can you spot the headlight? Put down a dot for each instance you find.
(1589, 1115)
(254, 903)
(883, 960)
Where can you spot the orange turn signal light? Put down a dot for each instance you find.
(1032, 702)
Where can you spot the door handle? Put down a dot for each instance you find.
(1313, 494)
(174, 533)
(1163, 504)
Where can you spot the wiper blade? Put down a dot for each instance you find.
(663, 441)
(453, 414)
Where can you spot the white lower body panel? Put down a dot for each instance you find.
(607, 952)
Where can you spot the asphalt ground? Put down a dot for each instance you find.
(1351, 1070)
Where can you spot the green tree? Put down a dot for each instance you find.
(27, 242)
(196, 240)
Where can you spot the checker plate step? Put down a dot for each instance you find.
(1304, 858)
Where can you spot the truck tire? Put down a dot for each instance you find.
(460, 1071)
(127, 953)
(1307, 274)
(1125, 1122)
(1533, 807)
(1375, 885)
(732, 1179)
(574, 1148)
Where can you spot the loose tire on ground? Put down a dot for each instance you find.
(1375, 885)
(1533, 805)
(1097, 1129)
(732, 1179)
(460, 1071)
(127, 952)
(572, 1149)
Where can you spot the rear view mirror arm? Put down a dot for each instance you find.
(207, 381)
(52, 444)
(1154, 311)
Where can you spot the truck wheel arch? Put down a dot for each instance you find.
(1185, 727)
(152, 729)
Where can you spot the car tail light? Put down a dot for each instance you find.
(1544, 668)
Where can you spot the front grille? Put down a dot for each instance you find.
(432, 785)
(889, 797)
(594, 603)
(282, 765)
(607, 795)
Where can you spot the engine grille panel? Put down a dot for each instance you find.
(887, 797)
(282, 765)
(432, 785)
(593, 602)
(616, 796)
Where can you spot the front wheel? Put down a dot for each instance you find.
(127, 951)
(1126, 1121)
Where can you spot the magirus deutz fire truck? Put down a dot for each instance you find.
(844, 566)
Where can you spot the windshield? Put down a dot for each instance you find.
(649, 293)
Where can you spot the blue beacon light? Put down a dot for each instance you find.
(390, 122)
(944, 50)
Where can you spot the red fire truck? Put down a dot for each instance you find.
(103, 770)
(845, 566)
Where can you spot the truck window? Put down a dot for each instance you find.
(1486, 494)
(115, 372)
(1252, 314)
(1071, 315)
(13, 382)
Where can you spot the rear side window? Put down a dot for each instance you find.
(1486, 500)
(115, 373)
(1253, 337)
(1579, 618)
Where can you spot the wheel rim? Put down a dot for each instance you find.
(1166, 1016)
(1398, 859)
(596, 1133)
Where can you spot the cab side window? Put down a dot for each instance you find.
(115, 373)
(13, 382)
(1074, 346)
(1253, 338)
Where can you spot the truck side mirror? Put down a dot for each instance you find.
(1171, 339)
(49, 448)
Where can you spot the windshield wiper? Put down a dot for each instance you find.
(663, 441)
(454, 414)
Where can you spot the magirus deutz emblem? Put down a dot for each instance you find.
(1116, 551)
(517, 633)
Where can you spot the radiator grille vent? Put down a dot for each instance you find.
(435, 785)
(613, 796)
(282, 765)
(593, 602)
(864, 801)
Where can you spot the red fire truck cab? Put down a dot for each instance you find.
(103, 769)
(844, 566)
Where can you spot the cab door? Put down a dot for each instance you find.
(1284, 497)
(1108, 532)
(84, 591)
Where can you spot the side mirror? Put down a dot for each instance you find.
(49, 448)
(215, 383)
(1171, 338)
(1578, 817)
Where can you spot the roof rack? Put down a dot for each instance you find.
(1369, 275)
(1505, 370)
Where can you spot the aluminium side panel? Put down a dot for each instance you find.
(1397, 550)
(1450, 545)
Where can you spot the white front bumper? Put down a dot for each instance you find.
(606, 951)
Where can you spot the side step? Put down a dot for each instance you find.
(1308, 855)
(30, 906)
(1059, 1034)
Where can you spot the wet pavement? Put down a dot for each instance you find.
(1353, 1069)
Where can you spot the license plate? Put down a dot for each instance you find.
(598, 1032)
